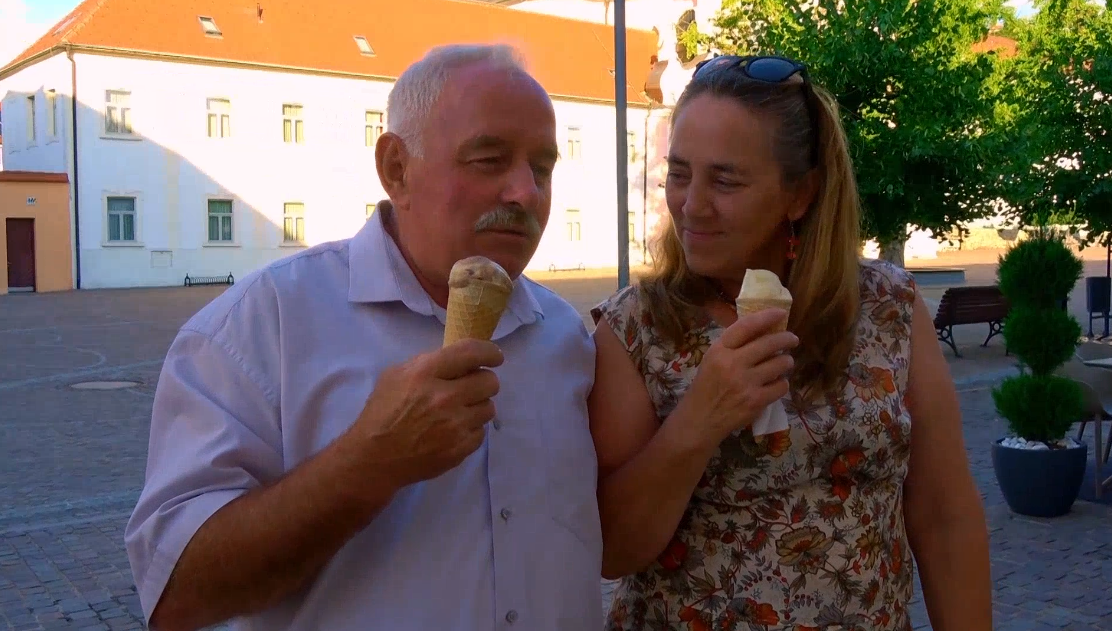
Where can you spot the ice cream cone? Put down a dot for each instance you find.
(745, 306)
(760, 290)
(478, 291)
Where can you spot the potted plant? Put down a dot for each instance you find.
(1038, 469)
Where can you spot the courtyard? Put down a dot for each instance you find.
(78, 376)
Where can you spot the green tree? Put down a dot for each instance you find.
(918, 99)
(1063, 79)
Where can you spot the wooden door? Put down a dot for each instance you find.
(21, 254)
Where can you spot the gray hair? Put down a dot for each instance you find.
(414, 95)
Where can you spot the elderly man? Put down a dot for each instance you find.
(318, 462)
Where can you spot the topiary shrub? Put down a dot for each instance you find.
(1037, 276)
(1039, 408)
(1043, 339)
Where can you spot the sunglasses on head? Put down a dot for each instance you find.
(767, 69)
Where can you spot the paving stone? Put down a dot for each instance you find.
(72, 463)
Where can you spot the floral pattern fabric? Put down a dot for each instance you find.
(804, 530)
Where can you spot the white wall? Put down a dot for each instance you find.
(45, 152)
(172, 167)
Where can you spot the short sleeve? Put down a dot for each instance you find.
(624, 314)
(886, 280)
(215, 435)
(888, 294)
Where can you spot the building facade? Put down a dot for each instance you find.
(186, 157)
(35, 239)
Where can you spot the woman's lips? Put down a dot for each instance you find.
(700, 236)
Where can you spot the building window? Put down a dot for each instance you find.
(220, 221)
(631, 140)
(293, 223)
(364, 46)
(51, 114)
(121, 219)
(683, 25)
(209, 26)
(31, 120)
(575, 144)
(219, 118)
(293, 126)
(375, 125)
(575, 228)
(117, 112)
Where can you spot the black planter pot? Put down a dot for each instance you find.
(1039, 483)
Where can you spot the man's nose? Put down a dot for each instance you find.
(522, 187)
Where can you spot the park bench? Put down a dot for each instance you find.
(970, 305)
(194, 281)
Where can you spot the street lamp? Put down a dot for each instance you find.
(620, 108)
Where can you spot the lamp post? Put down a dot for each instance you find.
(620, 108)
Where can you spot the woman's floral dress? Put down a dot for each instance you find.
(803, 531)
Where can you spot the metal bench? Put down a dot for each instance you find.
(970, 305)
(194, 281)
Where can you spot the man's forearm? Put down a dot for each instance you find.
(642, 502)
(269, 543)
(954, 570)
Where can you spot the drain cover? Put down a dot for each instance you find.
(104, 385)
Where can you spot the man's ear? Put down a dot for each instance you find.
(392, 161)
(805, 196)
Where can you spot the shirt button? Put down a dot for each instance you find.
(511, 616)
(497, 424)
(506, 516)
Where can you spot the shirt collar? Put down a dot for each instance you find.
(379, 273)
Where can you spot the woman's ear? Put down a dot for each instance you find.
(806, 192)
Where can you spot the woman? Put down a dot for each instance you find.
(815, 527)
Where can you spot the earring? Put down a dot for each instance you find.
(793, 242)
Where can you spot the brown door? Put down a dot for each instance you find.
(21, 254)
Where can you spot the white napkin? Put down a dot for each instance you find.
(773, 419)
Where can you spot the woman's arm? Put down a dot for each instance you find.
(647, 470)
(942, 507)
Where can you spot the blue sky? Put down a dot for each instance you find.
(48, 11)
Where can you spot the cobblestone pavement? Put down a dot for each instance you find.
(72, 463)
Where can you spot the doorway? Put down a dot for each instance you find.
(21, 254)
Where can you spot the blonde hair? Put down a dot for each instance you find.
(824, 278)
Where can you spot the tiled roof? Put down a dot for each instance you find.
(33, 176)
(1004, 46)
(570, 58)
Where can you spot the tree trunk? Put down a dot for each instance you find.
(893, 251)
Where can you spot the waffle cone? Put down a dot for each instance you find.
(474, 311)
(747, 306)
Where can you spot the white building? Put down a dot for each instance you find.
(213, 137)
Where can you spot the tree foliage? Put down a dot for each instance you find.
(1062, 85)
(919, 102)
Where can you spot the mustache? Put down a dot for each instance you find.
(509, 218)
